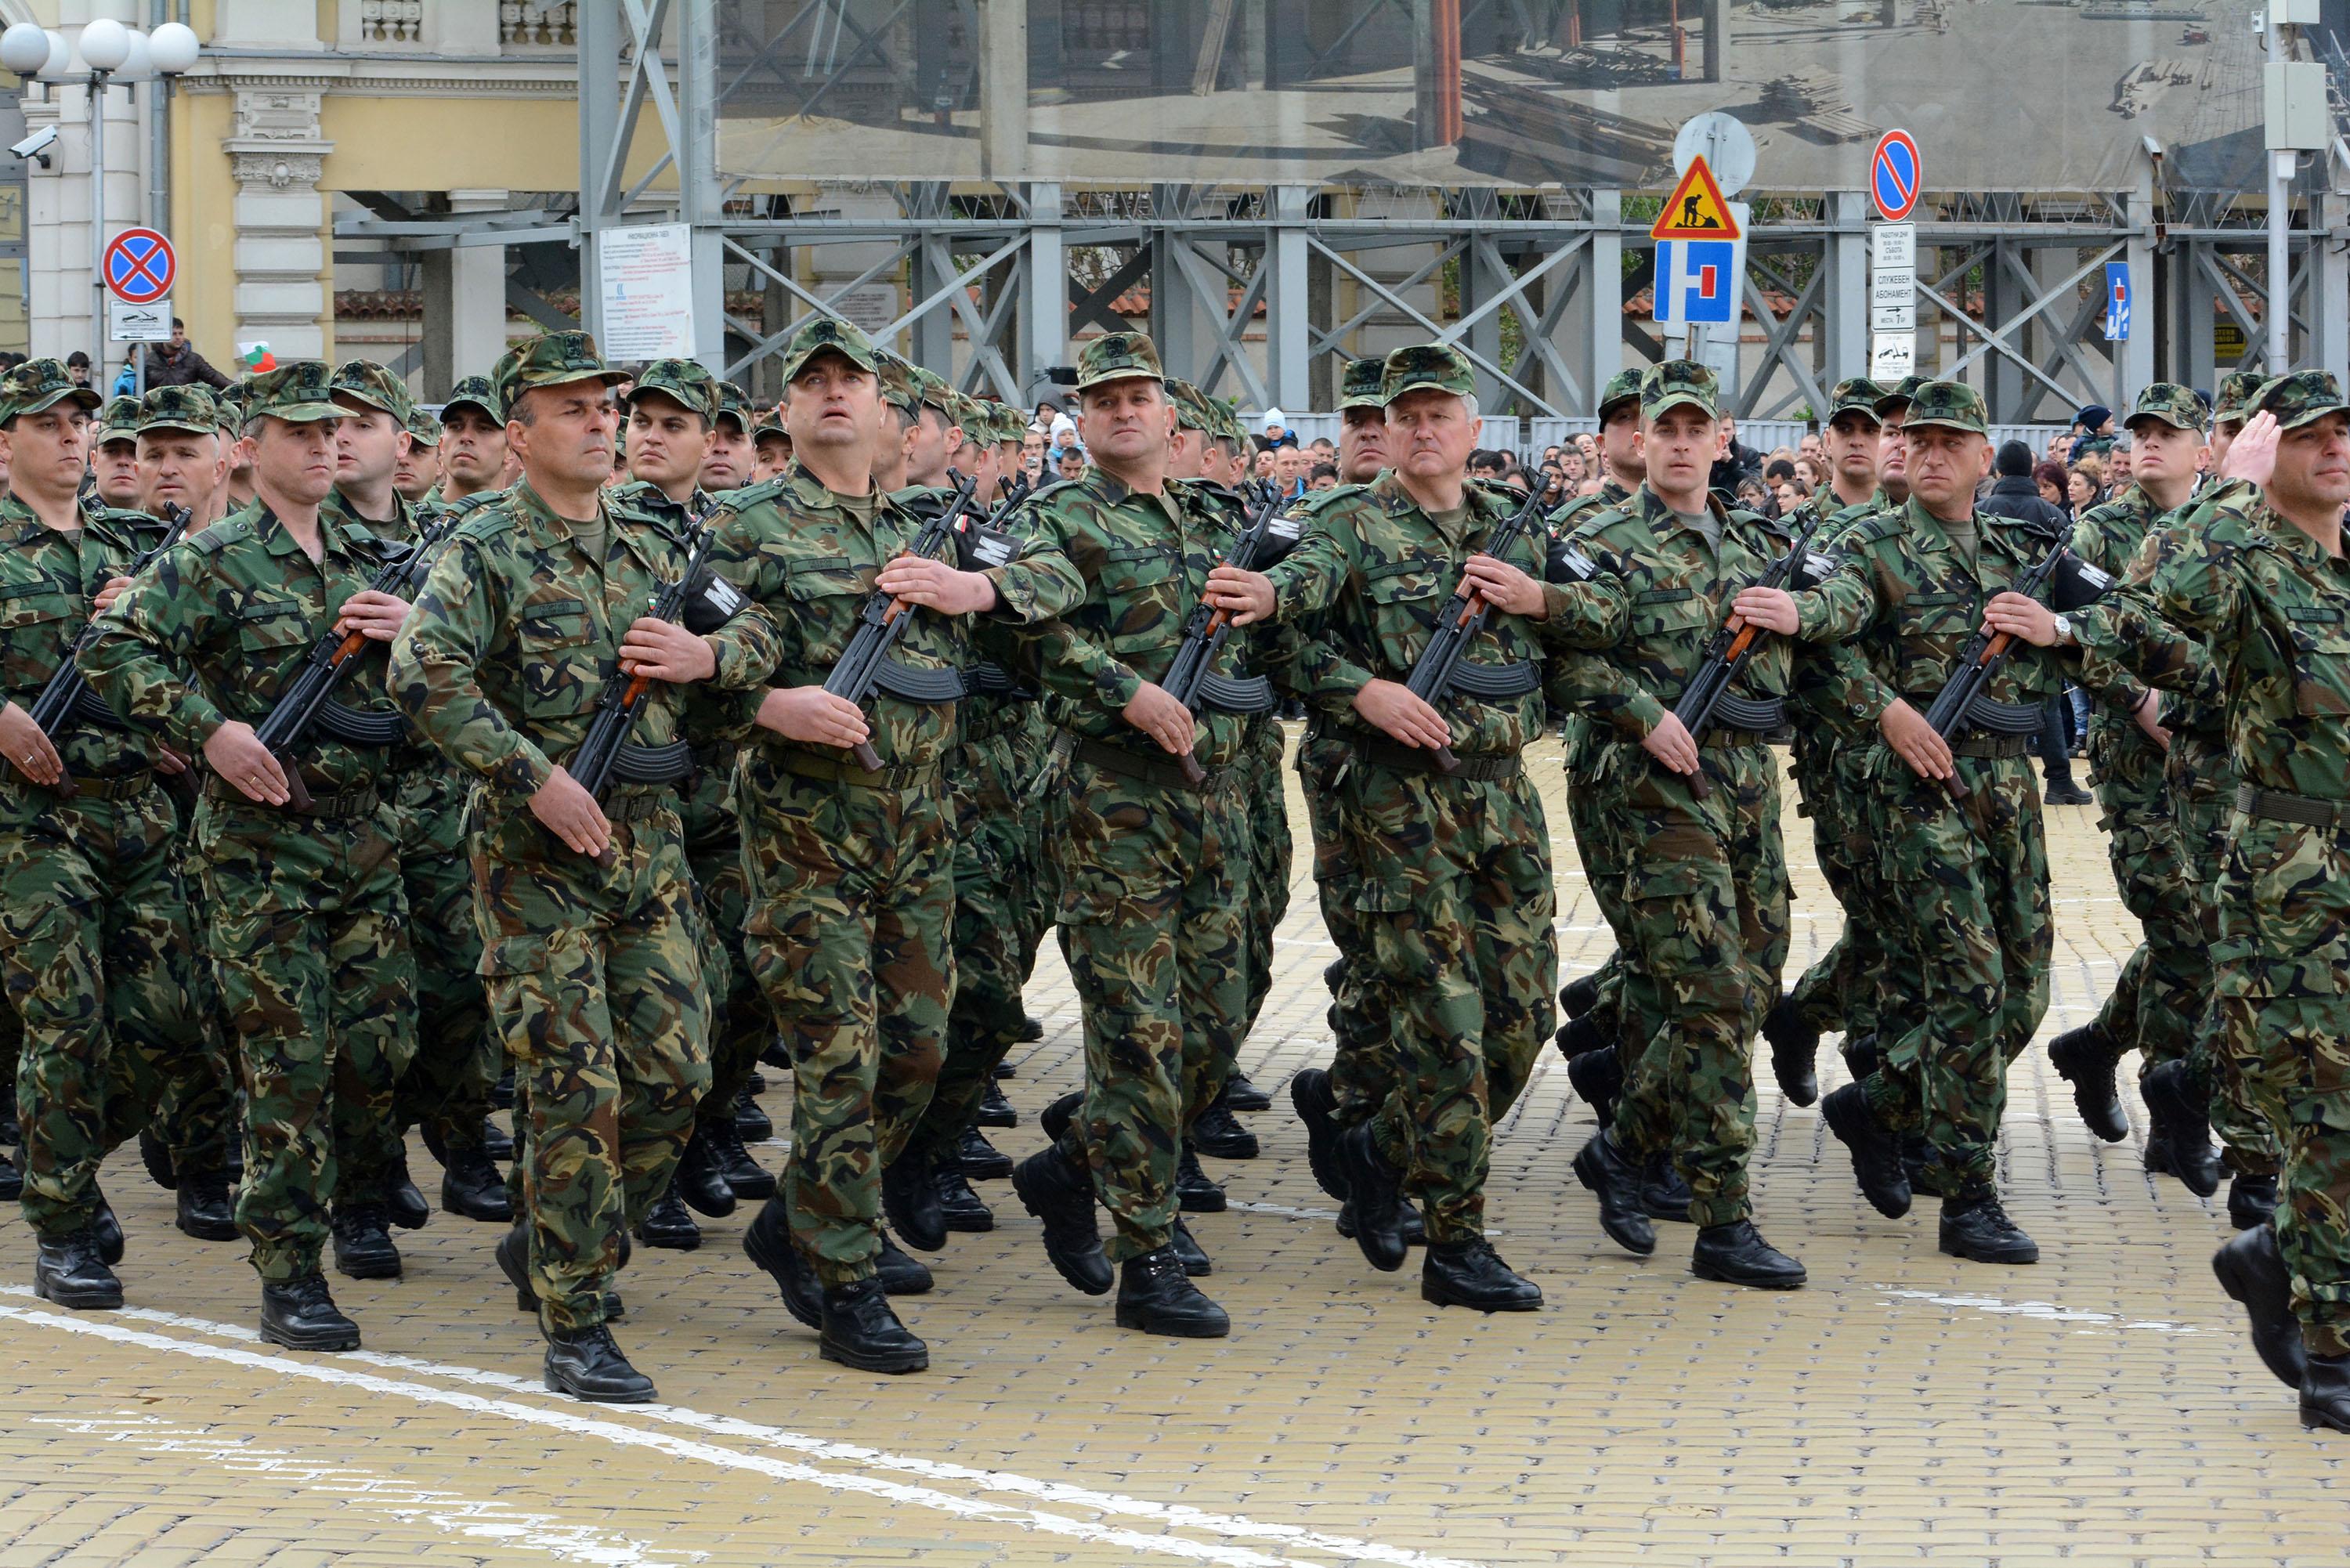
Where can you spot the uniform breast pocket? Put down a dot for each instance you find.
(1934, 629)
(825, 597)
(35, 624)
(561, 670)
(1664, 619)
(2321, 661)
(271, 635)
(1144, 589)
(1405, 599)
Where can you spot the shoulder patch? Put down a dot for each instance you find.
(755, 494)
(219, 537)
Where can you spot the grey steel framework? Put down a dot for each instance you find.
(1259, 293)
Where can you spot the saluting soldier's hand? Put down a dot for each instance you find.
(664, 651)
(1247, 596)
(2252, 454)
(29, 751)
(1773, 609)
(108, 594)
(2148, 717)
(814, 716)
(375, 615)
(919, 580)
(571, 814)
(1504, 587)
(1671, 744)
(2018, 615)
(1158, 715)
(1402, 714)
(237, 755)
(1915, 741)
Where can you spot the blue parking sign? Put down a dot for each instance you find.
(1696, 282)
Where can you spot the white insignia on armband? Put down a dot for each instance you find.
(2097, 577)
(1817, 565)
(720, 597)
(993, 550)
(1287, 527)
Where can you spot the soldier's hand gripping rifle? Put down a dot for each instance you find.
(1439, 670)
(605, 755)
(1192, 678)
(866, 666)
(306, 703)
(1961, 705)
(1707, 695)
(66, 698)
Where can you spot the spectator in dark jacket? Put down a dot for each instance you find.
(177, 363)
(2015, 494)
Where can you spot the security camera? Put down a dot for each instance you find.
(38, 145)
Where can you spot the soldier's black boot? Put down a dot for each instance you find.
(2086, 1058)
(1195, 1192)
(1241, 1096)
(1472, 1275)
(1334, 974)
(900, 1274)
(1615, 1180)
(1063, 1198)
(1736, 1254)
(495, 1141)
(750, 1181)
(700, 1181)
(1795, 1048)
(1577, 1035)
(363, 1248)
(584, 1364)
(69, 1271)
(1055, 1117)
(979, 1160)
(1315, 1101)
(11, 1132)
(994, 1110)
(751, 1121)
(301, 1314)
(768, 1241)
(667, 1225)
(2180, 1143)
(2252, 1271)
(1196, 1261)
(1875, 1153)
(1862, 1056)
(203, 1210)
(1578, 997)
(1663, 1194)
(776, 1055)
(1216, 1131)
(1032, 1029)
(403, 1204)
(2325, 1393)
(1415, 1229)
(910, 1198)
(1155, 1295)
(958, 1206)
(1597, 1076)
(474, 1188)
(12, 1180)
(2251, 1200)
(1376, 1189)
(1975, 1226)
(860, 1331)
(105, 1228)
(157, 1157)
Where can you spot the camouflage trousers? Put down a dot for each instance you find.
(307, 926)
(1838, 991)
(2229, 1068)
(1603, 872)
(97, 961)
(1703, 891)
(1262, 742)
(447, 1086)
(740, 1022)
(851, 898)
(1153, 931)
(1362, 1066)
(1967, 949)
(594, 975)
(1455, 901)
(194, 1112)
(2155, 1004)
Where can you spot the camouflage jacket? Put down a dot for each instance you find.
(1657, 597)
(217, 626)
(1813, 680)
(1580, 509)
(516, 632)
(1905, 601)
(1380, 573)
(2109, 537)
(48, 583)
(1135, 567)
(401, 528)
(806, 563)
(432, 506)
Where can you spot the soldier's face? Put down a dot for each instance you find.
(1892, 451)
(418, 467)
(1944, 466)
(2223, 433)
(115, 466)
(1125, 422)
(2164, 453)
(1183, 453)
(294, 462)
(1852, 445)
(369, 444)
(2312, 467)
(1431, 433)
(45, 452)
(926, 453)
(666, 440)
(1619, 443)
(832, 405)
(179, 469)
(727, 465)
(1680, 445)
(472, 447)
(1363, 445)
(774, 455)
(569, 438)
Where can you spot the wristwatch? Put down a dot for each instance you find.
(2065, 631)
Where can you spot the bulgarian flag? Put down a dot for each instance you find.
(255, 357)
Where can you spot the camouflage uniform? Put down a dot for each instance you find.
(307, 924)
(95, 949)
(592, 968)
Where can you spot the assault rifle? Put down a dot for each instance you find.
(1192, 678)
(1438, 674)
(605, 755)
(1725, 659)
(67, 696)
(1961, 705)
(866, 666)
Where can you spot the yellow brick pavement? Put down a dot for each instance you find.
(2101, 1408)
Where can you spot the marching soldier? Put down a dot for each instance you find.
(473, 442)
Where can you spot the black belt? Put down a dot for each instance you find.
(1986, 747)
(350, 803)
(1418, 759)
(1163, 770)
(1731, 738)
(112, 786)
(828, 770)
(2279, 806)
(637, 804)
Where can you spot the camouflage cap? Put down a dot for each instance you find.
(191, 409)
(2181, 407)
(39, 384)
(684, 382)
(1679, 383)
(1228, 420)
(1117, 357)
(735, 403)
(2303, 398)
(1360, 386)
(1855, 395)
(475, 392)
(967, 415)
(1903, 394)
(770, 425)
(931, 389)
(423, 427)
(299, 391)
(898, 387)
(118, 420)
(549, 359)
(1953, 405)
(828, 335)
(1191, 406)
(1010, 423)
(1623, 386)
(2237, 390)
(1433, 366)
(365, 381)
